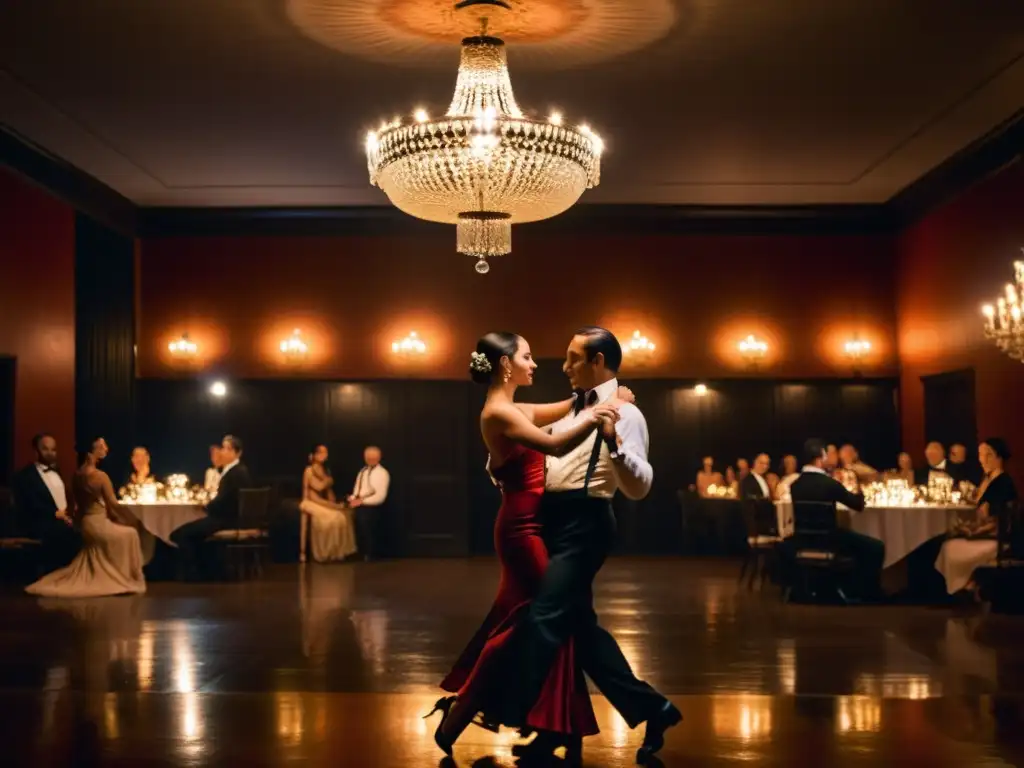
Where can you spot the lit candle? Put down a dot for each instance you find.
(1004, 320)
(990, 317)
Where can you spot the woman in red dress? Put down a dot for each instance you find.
(514, 435)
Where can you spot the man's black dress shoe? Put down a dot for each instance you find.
(654, 736)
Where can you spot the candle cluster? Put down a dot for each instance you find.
(721, 492)
(175, 490)
(899, 493)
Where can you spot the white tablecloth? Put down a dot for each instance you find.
(901, 529)
(162, 520)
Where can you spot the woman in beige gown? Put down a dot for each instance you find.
(333, 533)
(110, 562)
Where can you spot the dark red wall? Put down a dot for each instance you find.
(951, 262)
(37, 312)
(695, 297)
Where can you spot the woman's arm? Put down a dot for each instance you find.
(319, 482)
(514, 425)
(543, 414)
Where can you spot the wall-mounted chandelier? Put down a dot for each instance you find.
(484, 166)
(1003, 322)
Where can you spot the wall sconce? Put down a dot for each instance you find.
(183, 348)
(412, 345)
(639, 347)
(701, 390)
(753, 349)
(294, 348)
(857, 349)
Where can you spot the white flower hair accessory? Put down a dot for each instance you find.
(478, 362)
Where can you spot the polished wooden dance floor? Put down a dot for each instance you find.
(332, 665)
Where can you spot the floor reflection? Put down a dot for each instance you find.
(320, 661)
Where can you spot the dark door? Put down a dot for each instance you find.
(950, 415)
(6, 420)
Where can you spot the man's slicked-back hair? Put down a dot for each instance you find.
(601, 340)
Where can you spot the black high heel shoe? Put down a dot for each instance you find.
(444, 706)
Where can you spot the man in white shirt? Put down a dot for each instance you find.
(579, 530)
(41, 505)
(369, 492)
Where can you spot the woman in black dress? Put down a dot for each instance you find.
(975, 545)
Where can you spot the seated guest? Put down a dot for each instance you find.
(41, 505)
(788, 472)
(707, 476)
(731, 481)
(110, 562)
(221, 513)
(815, 485)
(935, 455)
(212, 478)
(755, 485)
(960, 556)
(742, 469)
(831, 457)
(368, 494)
(957, 465)
(904, 469)
(849, 460)
(333, 531)
(141, 472)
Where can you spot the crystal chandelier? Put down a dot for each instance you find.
(485, 165)
(1003, 323)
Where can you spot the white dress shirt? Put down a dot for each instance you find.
(764, 485)
(51, 478)
(630, 472)
(372, 485)
(212, 480)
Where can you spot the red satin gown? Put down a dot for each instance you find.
(564, 704)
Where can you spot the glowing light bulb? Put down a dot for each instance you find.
(421, 115)
(218, 389)
(700, 390)
(555, 118)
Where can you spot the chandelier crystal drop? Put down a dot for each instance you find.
(484, 165)
(1004, 322)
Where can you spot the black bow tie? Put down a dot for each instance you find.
(583, 400)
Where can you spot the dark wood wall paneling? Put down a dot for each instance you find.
(104, 337)
(443, 503)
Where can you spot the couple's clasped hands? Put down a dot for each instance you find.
(606, 414)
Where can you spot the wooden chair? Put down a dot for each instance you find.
(250, 534)
(1003, 582)
(19, 554)
(762, 524)
(818, 568)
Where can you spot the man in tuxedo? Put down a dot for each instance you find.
(221, 512)
(41, 505)
(368, 496)
(935, 456)
(579, 530)
(814, 484)
(754, 485)
(957, 465)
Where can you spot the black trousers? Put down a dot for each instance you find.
(868, 554)
(367, 525)
(579, 533)
(189, 539)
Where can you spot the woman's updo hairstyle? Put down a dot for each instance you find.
(999, 447)
(485, 362)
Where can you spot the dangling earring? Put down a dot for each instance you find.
(507, 376)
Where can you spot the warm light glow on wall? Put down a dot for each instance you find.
(754, 332)
(294, 348)
(410, 346)
(202, 345)
(701, 390)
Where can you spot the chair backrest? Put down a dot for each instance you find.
(254, 508)
(760, 517)
(1010, 532)
(8, 521)
(814, 522)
